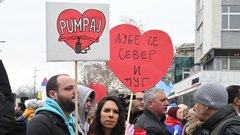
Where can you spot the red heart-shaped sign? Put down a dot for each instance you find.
(100, 91)
(139, 61)
(74, 27)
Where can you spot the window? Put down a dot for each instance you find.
(186, 73)
(224, 63)
(234, 64)
(230, 17)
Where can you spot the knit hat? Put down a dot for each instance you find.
(172, 112)
(212, 94)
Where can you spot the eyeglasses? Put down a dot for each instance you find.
(139, 99)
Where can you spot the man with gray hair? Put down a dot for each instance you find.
(155, 109)
(212, 108)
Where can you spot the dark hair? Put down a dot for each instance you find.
(233, 92)
(172, 112)
(52, 83)
(21, 106)
(96, 126)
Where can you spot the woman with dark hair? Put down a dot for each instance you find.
(109, 118)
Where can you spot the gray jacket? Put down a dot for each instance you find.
(83, 94)
(216, 125)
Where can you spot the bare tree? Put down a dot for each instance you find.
(99, 73)
(25, 91)
(130, 20)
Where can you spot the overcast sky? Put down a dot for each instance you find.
(23, 27)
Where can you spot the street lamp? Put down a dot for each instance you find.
(34, 87)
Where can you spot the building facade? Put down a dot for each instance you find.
(217, 48)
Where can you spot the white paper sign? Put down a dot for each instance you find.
(77, 31)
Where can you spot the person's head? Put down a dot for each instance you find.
(185, 113)
(192, 116)
(175, 112)
(86, 97)
(234, 96)
(33, 105)
(137, 103)
(209, 98)
(88, 104)
(156, 101)
(61, 88)
(109, 117)
(19, 109)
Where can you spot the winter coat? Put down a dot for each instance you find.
(83, 94)
(27, 115)
(51, 120)
(214, 125)
(152, 124)
(8, 123)
(190, 128)
(175, 123)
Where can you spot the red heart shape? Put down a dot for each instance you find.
(100, 91)
(139, 61)
(89, 26)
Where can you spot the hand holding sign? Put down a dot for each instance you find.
(139, 61)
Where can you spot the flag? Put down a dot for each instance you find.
(162, 85)
(44, 82)
(42, 90)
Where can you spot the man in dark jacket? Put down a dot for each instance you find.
(152, 119)
(55, 117)
(212, 108)
(8, 124)
(234, 97)
(137, 107)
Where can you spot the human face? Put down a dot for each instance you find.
(192, 117)
(159, 104)
(66, 93)
(179, 114)
(87, 105)
(201, 112)
(17, 108)
(137, 104)
(109, 115)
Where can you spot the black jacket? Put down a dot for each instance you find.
(152, 124)
(47, 123)
(214, 125)
(8, 124)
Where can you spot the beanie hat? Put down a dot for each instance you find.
(172, 112)
(212, 94)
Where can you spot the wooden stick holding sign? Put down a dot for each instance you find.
(76, 96)
(129, 113)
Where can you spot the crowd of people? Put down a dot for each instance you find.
(216, 111)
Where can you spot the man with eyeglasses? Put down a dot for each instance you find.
(137, 107)
(154, 115)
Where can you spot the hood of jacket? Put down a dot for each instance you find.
(83, 94)
(52, 106)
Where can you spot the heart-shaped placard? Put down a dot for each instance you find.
(139, 61)
(100, 91)
(74, 27)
